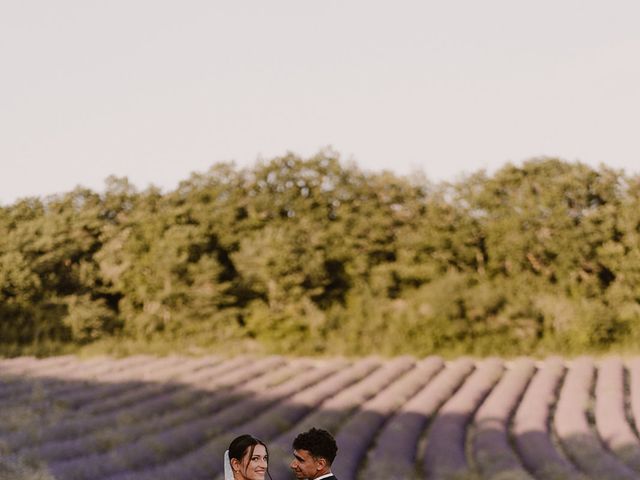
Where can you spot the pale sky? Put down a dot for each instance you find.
(155, 89)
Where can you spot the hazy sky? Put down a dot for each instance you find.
(156, 89)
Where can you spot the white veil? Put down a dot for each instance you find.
(228, 472)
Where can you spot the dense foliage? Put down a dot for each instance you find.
(317, 256)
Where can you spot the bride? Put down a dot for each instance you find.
(246, 459)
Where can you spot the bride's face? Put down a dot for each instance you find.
(254, 468)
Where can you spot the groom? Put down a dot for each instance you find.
(313, 452)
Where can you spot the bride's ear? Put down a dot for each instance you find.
(235, 464)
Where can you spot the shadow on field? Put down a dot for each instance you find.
(78, 429)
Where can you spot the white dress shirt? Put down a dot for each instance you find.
(324, 476)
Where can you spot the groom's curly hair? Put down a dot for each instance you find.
(318, 442)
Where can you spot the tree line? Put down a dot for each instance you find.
(315, 255)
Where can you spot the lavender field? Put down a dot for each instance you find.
(147, 418)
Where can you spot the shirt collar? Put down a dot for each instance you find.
(326, 475)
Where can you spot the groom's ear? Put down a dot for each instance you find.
(321, 463)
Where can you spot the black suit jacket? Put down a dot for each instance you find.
(332, 477)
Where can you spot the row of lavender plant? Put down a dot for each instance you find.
(339, 411)
(335, 411)
(124, 435)
(576, 435)
(531, 431)
(445, 454)
(87, 419)
(40, 389)
(205, 462)
(76, 385)
(96, 395)
(610, 413)
(49, 377)
(491, 445)
(142, 418)
(174, 442)
(358, 434)
(129, 428)
(394, 455)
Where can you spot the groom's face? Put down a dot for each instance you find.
(305, 465)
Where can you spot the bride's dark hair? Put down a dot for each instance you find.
(239, 446)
